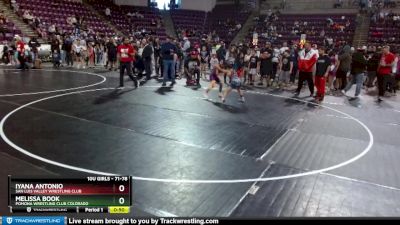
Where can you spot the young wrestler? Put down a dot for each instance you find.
(214, 79)
(236, 83)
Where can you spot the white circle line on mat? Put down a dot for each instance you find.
(60, 90)
(189, 181)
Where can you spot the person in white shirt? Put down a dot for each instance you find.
(79, 48)
(284, 48)
(52, 29)
(186, 45)
(238, 26)
(108, 12)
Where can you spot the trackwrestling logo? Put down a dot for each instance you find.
(26, 220)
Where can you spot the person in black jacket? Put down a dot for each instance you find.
(55, 50)
(67, 46)
(5, 58)
(221, 52)
(358, 68)
(146, 55)
(157, 52)
(112, 54)
(34, 45)
(373, 62)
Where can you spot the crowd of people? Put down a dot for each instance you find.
(327, 70)
(330, 69)
(3, 24)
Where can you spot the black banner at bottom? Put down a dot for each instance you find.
(212, 221)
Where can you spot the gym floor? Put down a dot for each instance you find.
(272, 156)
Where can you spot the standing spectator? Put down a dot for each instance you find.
(186, 46)
(205, 55)
(358, 68)
(34, 45)
(294, 58)
(321, 73)
(286, 67)
(67, 46)
(221, 52)
(126, 55)
(168, 50)
(384, 70)
(344, 67)
(332, 71)
(91, 55)
(78, 49)
(99, 54)
(307, 60)
(56, 51)
(157, 52)
(372, 67)
(146, 55)
(179, 62)
(252, 67)
(112, 53)
(265, 66)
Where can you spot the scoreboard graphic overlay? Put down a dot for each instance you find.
(95, 194)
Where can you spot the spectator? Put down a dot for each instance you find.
(52, 29)
(27, 17)
(344, 67)
(34, 45)
(99, 53)
(5, 58)
(358, 68)
(384, 70)
(108, 13)
(126, 55)
(67, 47)
(168, 52)
(322, 34)
(13, 5)
(147, 53)
(112, 53)
(338, 4)
(307, 60)
(91, 55)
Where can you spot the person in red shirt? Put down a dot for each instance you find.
(21, 53)
(384, 70)
(126, 56)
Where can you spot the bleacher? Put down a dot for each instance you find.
(316, 23)
(9, 30)
(57, 12)
(385, 32)
(120, 18)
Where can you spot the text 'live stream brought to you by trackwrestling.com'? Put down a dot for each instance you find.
(144, 221)
(60, 220)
